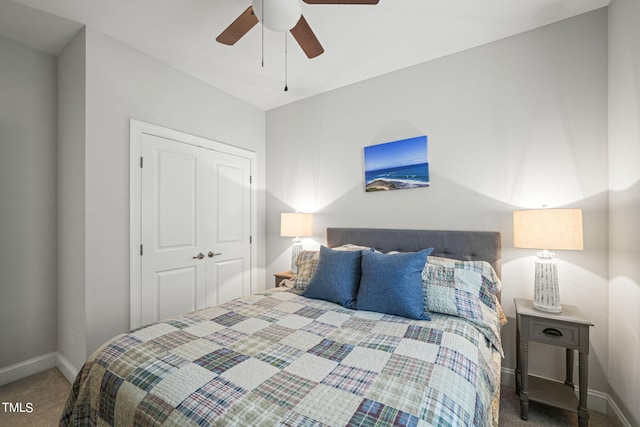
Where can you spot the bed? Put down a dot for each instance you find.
(287, 357)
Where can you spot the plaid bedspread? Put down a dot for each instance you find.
(280, 359)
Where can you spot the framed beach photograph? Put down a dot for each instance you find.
(396, 165)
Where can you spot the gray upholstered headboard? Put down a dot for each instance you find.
(463, 245)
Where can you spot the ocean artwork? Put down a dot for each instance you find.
(397, 165)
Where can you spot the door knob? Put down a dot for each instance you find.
(199, 256)
(212, 254)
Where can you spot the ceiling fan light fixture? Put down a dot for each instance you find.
(279, 15)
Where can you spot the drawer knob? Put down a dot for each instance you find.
(552, 332)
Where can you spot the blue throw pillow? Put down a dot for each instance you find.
(392, 283)
(336, 278)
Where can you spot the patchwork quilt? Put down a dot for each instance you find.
(280, 359)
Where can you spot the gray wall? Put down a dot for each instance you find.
(624, 202)
(518, 123)
(27, 203)
(122, 83)
(71, 202)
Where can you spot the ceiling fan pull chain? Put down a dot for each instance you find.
(286, 54)
(262, 28)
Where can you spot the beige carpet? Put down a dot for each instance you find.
(47, 392)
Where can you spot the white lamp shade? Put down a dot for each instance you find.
(557, 229)
(278, 15)
(296, 224)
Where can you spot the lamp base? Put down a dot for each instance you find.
(548, 309)
(295, 251)
(546, 291)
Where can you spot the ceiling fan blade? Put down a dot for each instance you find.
(308, 41)
(239, 27)
(341, 1)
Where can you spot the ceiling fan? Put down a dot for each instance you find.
(281, 15)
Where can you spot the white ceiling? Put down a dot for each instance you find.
(360, 41)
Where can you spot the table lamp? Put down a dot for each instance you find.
(296, 225)
(557, 229)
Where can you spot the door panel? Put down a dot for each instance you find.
(229, 276)
(176, 199)
(230, 202)
(176, 292)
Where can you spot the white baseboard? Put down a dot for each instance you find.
(616, 415)
(29, 367)
(35, 365)
(596, 400)
(66, 368)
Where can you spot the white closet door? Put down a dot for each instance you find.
(195, 214)
(229, 272)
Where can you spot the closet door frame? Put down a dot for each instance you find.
(137, 130)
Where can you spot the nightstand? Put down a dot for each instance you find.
(568, 329)
(283, 275)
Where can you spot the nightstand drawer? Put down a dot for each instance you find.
(549, 332)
